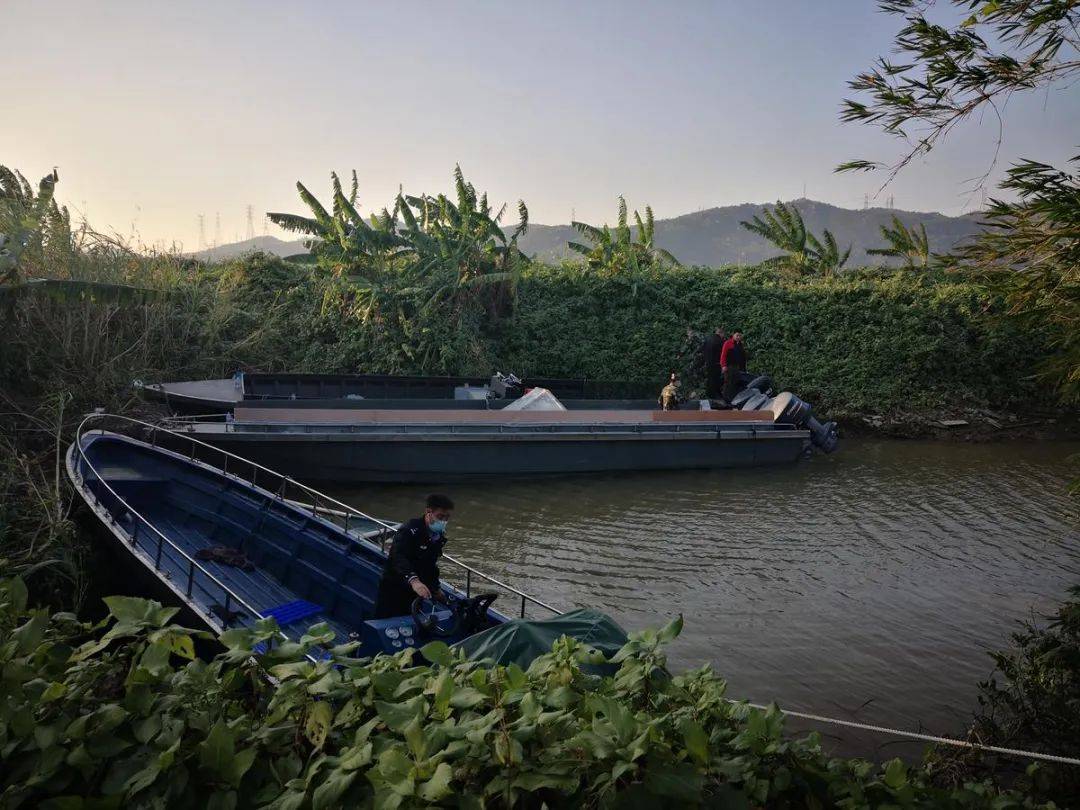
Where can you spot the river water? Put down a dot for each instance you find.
(868, 585)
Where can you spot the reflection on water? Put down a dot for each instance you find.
(867, 585)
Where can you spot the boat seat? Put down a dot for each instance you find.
(293, 611)
(289, 613)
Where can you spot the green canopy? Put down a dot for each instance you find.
(520, 641)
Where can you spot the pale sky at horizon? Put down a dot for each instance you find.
(157, 112)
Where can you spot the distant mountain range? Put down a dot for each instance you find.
(266, 244)
(713, 236)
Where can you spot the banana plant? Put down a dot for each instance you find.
(909, 244)
(461, 246)
(617, 248)
(28, 221)
(36, 240)
(803, 253)
(341, 238)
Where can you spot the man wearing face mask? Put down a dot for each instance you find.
(412, 569)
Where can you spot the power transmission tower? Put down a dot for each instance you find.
(202, 232)
(217, 228)
(865, 201)
(266, 225)
(250, 233)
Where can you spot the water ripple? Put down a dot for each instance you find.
(878, 576)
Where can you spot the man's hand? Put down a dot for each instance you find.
(420, 589)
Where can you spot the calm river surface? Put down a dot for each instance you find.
(867, 585)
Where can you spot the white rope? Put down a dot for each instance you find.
(925, 737)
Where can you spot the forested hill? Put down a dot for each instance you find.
(715, 237)
(710, 237)
(264, 244)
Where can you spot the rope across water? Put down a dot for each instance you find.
(924, 737)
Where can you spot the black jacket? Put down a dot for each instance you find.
(413, 552)
(710, 352)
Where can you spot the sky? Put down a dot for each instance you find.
(157, 112)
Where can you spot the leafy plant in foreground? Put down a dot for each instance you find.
(125, 714)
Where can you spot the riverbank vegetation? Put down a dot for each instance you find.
(434, 285)
(955, 60)
(124, 713)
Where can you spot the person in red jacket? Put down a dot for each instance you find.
(733, 363)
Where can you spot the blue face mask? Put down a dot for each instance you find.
(437, 526)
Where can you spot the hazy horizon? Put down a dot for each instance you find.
(156, 113)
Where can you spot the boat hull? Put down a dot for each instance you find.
(350, 458)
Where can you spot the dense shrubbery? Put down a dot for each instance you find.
(125, 714)
(868, 341)
(865, 341)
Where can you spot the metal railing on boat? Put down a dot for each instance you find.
(318, 504)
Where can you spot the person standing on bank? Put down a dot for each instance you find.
(710, 351)
(412, 569)
(732, 364)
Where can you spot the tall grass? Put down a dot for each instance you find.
(67, 352)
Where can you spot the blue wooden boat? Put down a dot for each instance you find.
(233, 542)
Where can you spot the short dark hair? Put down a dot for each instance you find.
(436, 501)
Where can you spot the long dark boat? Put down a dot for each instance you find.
(235, 543)
(346, 445)
(221, 396)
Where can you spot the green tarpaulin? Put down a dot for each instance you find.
(520, 641)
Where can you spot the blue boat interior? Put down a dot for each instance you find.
(279, 559)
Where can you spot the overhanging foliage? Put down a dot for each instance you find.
(125, 714)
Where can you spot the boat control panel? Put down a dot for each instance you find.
(396, 634)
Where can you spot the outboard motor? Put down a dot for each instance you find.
(788, 409)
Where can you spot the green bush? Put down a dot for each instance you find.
(867, 341)
(1031, 702)
(124, 714)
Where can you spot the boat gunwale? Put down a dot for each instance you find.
(351, 433)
